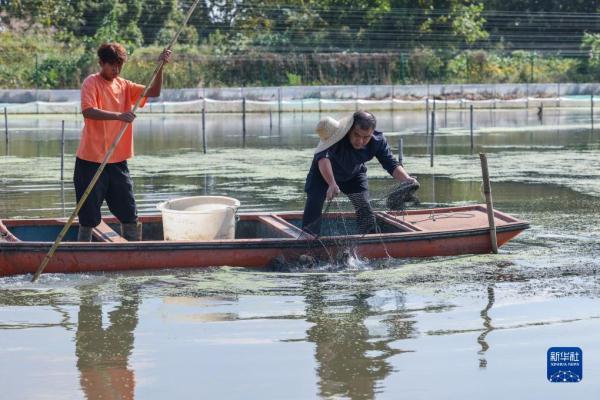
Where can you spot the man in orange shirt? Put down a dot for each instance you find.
(106, 103)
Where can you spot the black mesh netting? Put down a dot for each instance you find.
(402, 196)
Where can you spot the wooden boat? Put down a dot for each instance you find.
(261, 239)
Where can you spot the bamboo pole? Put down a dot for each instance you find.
(87, 192)
(487, 191)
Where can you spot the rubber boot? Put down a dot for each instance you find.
(132, 231)
(84, 234)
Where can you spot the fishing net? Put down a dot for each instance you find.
(403, 196)
(343, 231)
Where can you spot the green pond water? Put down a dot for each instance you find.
(473, 326)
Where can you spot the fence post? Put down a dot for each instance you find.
(279, 100)
(393, 97)
(427, 116)
(432, 138)
(401, 151)
(203, 130)
(62, 151)
(244, 122)
(446, 111)
(592, 111)
(6, 126)
(320, 101)
(471, 125)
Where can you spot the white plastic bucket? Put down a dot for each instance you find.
(199, 218)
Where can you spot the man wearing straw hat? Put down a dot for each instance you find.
(339, 165)
(106, 103)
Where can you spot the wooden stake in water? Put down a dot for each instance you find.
(204, 131)
(6, 126)
(446, 112)
(432, 147)
(110, 151)
(487, 191)
(592, 110)
(279, 100)
(62, 151)
(320, 95)
(244, 122)
(401, 151)
(471, 125)
(427, 116)
(62, 198)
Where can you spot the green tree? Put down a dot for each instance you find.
(462, 18)
(154, 16)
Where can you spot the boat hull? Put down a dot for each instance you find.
(24, 257)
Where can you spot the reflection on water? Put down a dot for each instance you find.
(103, 352)
(487, 326)
(352, 361)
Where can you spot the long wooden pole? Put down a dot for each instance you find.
(487, 191)
(87, 192)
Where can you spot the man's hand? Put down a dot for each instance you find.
(402, 176)
(126, 117)
(332, 191)
(165, 56)
(410, 179)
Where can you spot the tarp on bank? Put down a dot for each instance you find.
(303, 105)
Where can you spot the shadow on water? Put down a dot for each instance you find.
(352, 361)
(103, 353)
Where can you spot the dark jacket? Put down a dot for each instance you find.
(348, 163)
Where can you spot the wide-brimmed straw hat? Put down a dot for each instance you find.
(331, 131)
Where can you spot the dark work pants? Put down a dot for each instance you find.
(114, 185)
(356, 189)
